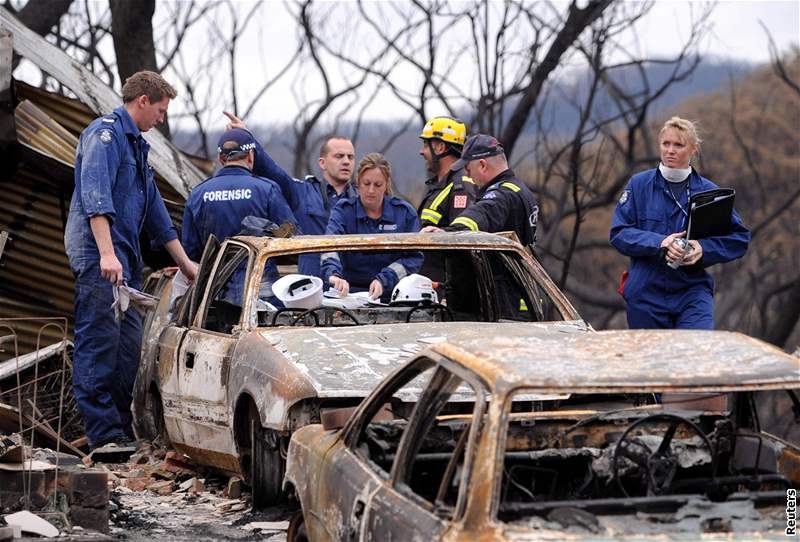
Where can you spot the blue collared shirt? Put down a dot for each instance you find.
(113, 179)
(361, 268)
(646, 213)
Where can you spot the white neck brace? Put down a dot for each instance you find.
(674, 175)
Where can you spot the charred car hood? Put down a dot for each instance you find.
(351, 361)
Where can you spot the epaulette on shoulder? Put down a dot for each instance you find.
(466, 179)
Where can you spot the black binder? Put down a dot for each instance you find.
(710, 213)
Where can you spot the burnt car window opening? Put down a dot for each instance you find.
(468, 285)
(223, 307)
(425, 449)
(612, 462)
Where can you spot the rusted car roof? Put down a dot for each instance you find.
(629, 361)
(351, 361)
(487, 241)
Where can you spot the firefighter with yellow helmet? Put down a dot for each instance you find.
(448, 192)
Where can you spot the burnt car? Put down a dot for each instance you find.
(227, 375)
(581, 436)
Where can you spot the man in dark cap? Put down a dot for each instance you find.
(219, 204)
(504, 202)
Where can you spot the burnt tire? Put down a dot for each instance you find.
(297, 529)
(267, 467)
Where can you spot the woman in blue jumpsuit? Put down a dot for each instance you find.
(650, 216)
(374, 210)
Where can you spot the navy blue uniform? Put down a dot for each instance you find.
(504, 204)
(311, 200)
(219, 204)
(657, 295)
(113, 179)
(361, 268)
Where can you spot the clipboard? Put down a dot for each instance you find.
(710, 213)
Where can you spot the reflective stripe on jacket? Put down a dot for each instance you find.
(445, 200)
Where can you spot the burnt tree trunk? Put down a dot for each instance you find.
(577, 21)
(132, 31)
(41, 16)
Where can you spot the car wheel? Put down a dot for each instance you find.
(266, 466)
(297, 529)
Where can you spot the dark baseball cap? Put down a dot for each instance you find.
(235, 143)
(476, 147)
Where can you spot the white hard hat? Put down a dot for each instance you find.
(413, 289)
(299, 291)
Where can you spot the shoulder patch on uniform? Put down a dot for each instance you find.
(460, 201)
(105, 135)
(624, 197)
(490, 195)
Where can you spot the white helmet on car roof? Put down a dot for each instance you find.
(299, 291)
(414, 289)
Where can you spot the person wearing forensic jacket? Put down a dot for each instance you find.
(374, 210)
(311, 198)
(219, 204)
(449, 190)
(504, 202)
(650, 215)
(115, 197)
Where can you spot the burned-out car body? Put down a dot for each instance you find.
(227, 379)
(613, 435)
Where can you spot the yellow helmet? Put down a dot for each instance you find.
(447, 129)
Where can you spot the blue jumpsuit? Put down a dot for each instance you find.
(658, 296)
(219, 204)
(361, 268)
(311, 201)
(112, 178)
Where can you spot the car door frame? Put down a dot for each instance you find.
(170, 341)
(204, 359)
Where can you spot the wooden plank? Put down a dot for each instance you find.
(165, 158)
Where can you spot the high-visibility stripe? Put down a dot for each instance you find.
(441, 197)
(465, 179)
(523, 307)
(329, 256)
(399, 269)
(430, 216)
(511, 186)
(468, 222)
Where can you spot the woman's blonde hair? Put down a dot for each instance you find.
(684, 126)
(375, 160)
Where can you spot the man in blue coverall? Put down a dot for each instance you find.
(650, 215)
(115, 197)
(219, 204)
(311, 198)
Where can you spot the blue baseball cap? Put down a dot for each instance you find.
(478, 146)
(235, 143)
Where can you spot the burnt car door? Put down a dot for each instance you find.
(427, 488)
(169, 342)
(352, 472)
(205, 354)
